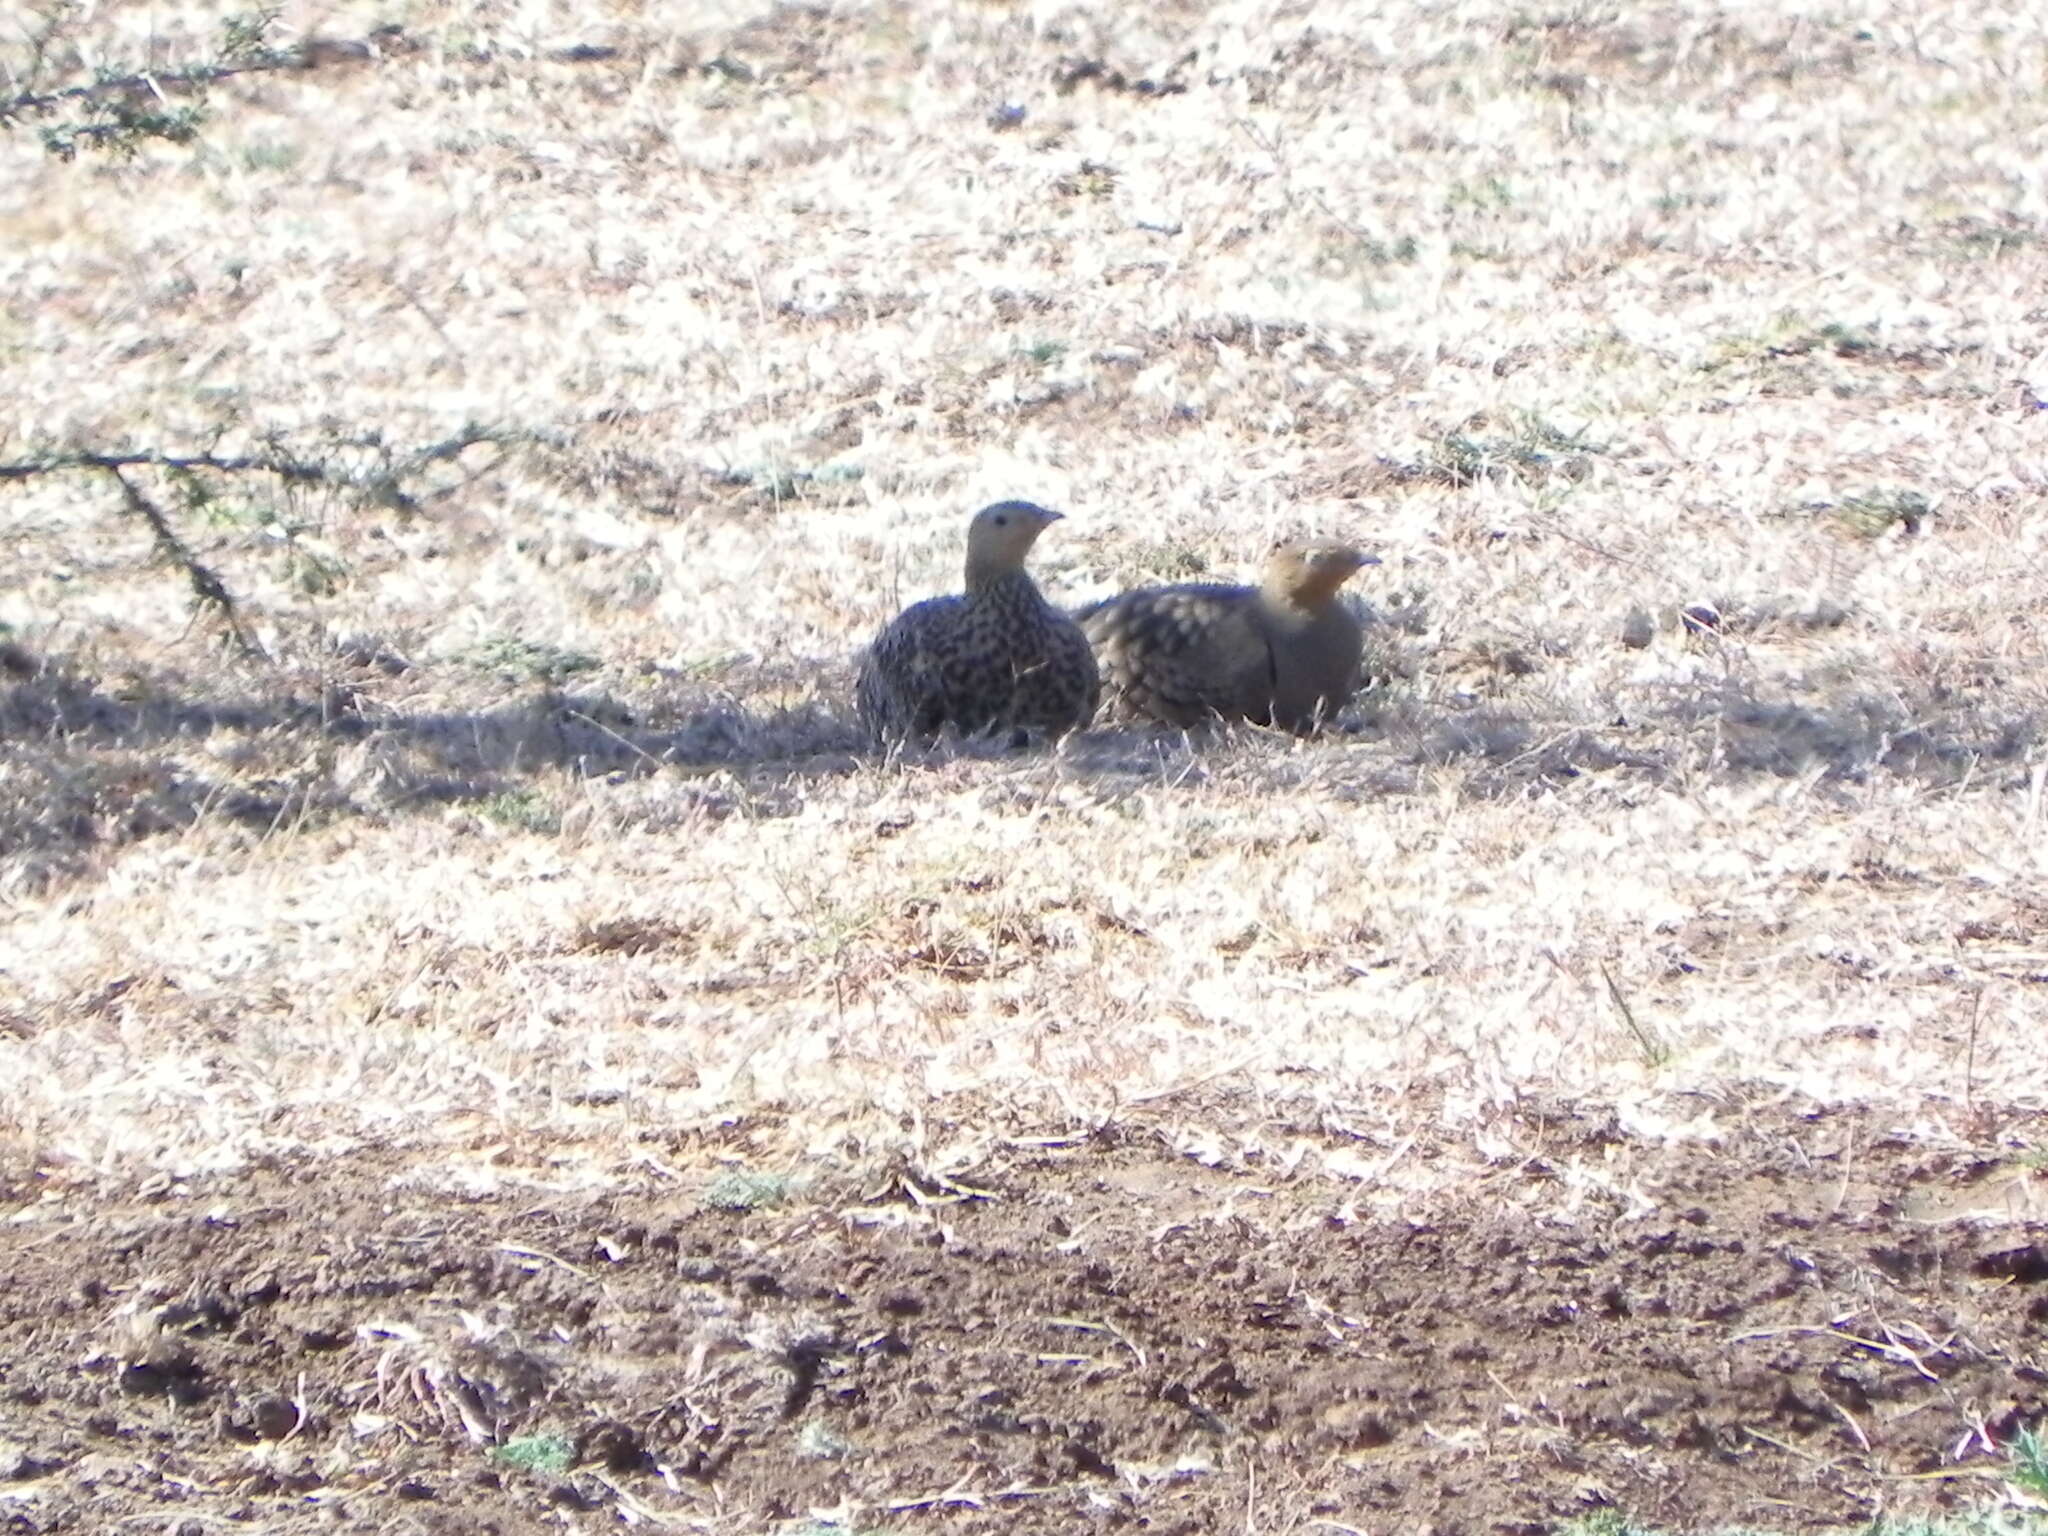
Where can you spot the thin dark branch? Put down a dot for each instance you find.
(287, 469)
(245, 53)
(144, 83)
(206, 585)
(1654, 1050)
(380, 483)
(180, 127)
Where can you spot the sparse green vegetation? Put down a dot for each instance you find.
(1793, 336)
(2028, 1474)
(786, 482)
(525, 809)
(1358, 252)
(519, 659)
(2029, 1455)
(740, 1189)
(1871, 514)
(1533, 452)
(1988, 1522)
(363, 469)
(269, 155)
(822, 1444)
(1491, 195)
(1991, 239)
(1684, 201)
(1091, 179)
(535, 1453)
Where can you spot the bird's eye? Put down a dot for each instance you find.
(1002, 522)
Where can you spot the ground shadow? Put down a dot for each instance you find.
(1724, 732)
(90, 762)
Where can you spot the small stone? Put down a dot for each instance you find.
(1638, 629)
(273, 1418)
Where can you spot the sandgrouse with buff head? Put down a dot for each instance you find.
(1285, 652)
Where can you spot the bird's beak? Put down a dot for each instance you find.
(1360, 561)
(1047, 516)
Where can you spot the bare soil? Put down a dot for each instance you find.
(1813, 1322)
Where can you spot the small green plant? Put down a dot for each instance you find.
(1605, 1522)
(269, 155)
(1348, 255)
(1488, 196)
(525, 809)
(2029, 1455)
(518, 658)
(207, 502)
(1791, 335)
(1387, 253)
(313, 572)
(738, 1189)
(1678, 202)
(1871, 514)
(1090, 179)
(787, 482)
(1845, 340)
(1532, 453)
(817, 1442)
(708, 667)
(535, 1453)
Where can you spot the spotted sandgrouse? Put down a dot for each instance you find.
(994, 657)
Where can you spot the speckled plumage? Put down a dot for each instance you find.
(1284, 653)
(994, 657)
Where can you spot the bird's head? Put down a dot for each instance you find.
(1309, 573)
(1001, 536)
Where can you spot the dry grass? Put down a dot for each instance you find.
(1684, 371)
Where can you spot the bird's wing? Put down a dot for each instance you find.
(1179, 654)
(901, 687)
(1073, 682)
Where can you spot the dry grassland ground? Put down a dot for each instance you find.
(1603, 1073)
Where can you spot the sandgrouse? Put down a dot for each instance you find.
(1284, 653)
(995, 657)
